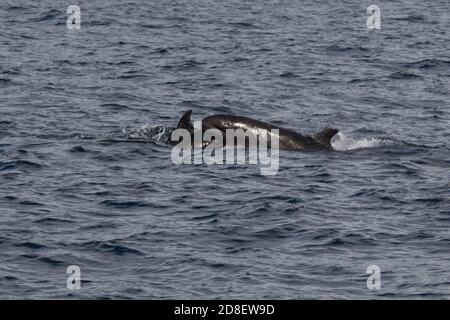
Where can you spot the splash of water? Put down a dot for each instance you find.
(146, 133)
(342, 142)
(152, 133)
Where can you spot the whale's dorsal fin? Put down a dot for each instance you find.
(324, 136)
(185, 121)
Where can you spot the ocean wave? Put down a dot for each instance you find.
(427, 63)
(19, 164)
(398, 75)
(411, 18)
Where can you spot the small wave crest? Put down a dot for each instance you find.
(342, 142)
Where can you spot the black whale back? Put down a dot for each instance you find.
(288, 139)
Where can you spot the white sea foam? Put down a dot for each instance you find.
(342, 142)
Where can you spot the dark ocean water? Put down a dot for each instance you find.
(79, 187)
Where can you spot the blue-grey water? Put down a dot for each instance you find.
(86, 177)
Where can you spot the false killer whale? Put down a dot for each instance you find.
(288, 139)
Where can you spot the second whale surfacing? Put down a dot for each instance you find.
(288, 139)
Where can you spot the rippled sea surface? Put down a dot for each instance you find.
(86, 177)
